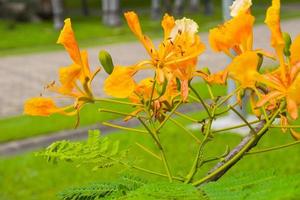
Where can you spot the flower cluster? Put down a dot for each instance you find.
(174, 65)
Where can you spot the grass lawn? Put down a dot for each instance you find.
(21, 127)
(90, 32)
(28, 177)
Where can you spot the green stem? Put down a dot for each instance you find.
(186, 117)
(242, 118)
(168, 116)
(236, 154)
(201, 100)
(123, 128)
(117, 112)
(235, 127)
(161, 150)
(148, 151)
(117, 102)
(273, 148)
(194, 167)
(228, 97)
(187, 131)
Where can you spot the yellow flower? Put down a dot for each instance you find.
(69, 77)
(176, 54)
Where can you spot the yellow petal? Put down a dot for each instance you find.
(233, 33)
(292, 108)
(244, 69)
(273, 22)
(167, 23)
(40, 106)
(120, 83)
(68, 76)
(67, 39)
(133, 23)
(295, 51)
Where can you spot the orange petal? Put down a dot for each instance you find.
(40, 106)
(68, 76)
(120, 83)
(292, 108)
(167, 23)
(283, 123)
(244, 69)
(133, 23)
(184, 90)
(295, 51)
(273, 22)
(67, 39)
(267, 98)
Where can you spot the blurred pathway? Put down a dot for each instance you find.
(24, 76)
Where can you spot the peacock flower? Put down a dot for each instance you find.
(285, 87)
(69, 77)
(176, 54)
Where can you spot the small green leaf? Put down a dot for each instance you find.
(106, 61)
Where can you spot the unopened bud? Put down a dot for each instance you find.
(106, 61)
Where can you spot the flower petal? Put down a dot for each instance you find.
(240, 6)
(295, 51)
(120, 83)
(40, 106)
(67, 39)
(273, 22)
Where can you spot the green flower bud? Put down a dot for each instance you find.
(106, 61)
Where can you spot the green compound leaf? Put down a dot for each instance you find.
(262, 185)
(97, 151)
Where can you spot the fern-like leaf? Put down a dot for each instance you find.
(98, 151)
(262, 185)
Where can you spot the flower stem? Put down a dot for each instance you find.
(201, 101)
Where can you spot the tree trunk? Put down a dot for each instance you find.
(155, 9)
(58, 13)
(194, 6)
(178, 8)
(111, 10)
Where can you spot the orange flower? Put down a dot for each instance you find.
(176, 54)
(68, 77)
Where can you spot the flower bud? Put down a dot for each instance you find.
(106, 61)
